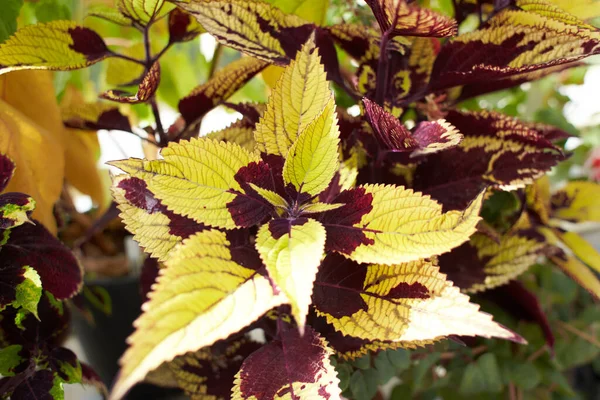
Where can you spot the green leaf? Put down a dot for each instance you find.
(422, 368)
(57, 391)
(525, 375)
(363, 384)
(9, 359)
(29, 292)
(385, 368)
(482, 376)
(344, 372)
(8, 18)
(363, 362)
(400, 358)
(52, 10)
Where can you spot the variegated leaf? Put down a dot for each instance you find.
(388, 224)
(157, 229)
(496, 151)
(57, 45)
(405, 19)
(294, 366)
(253, 27)
(220, 87)
(429, 137)
(518, 40)
(200, 179)
(399, 303)
(483, 263)
(145, 91)
(577, 202)
(202, 296)
(140, 11)
(78, 114)
(350, 348)
(182, 26)
(292, 251)
(299, 97)
(207, 374)
(15, 210)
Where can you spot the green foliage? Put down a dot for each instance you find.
(8, 18)
(9, 359)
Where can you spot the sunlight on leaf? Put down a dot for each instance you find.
(292, 252)
(65, 46)
(400, 303)
(299, 97)
(201, 171)
(203, 295)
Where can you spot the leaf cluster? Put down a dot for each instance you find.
(341, 219)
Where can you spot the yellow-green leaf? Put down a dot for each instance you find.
(300, 96)
(537, 196)
(504, 260)
(292, 251)
(140, 11)
(108, 13)
(565, 258)
(578, 202)
(582, 9)
(320, 207)
(309, 10)
(202, 295)
(238, 132)
(581, 248)
(239, 24)
(196, 178)
(313, 158)
(405, 302)
(270, 196)
(405, 225)
(29, 292)
(155, 228)
(56, 45)
(579, 272)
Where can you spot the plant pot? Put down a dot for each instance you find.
(103, 343)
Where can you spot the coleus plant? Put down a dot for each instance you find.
(291, 228)
(37, 274)
(321, 228)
